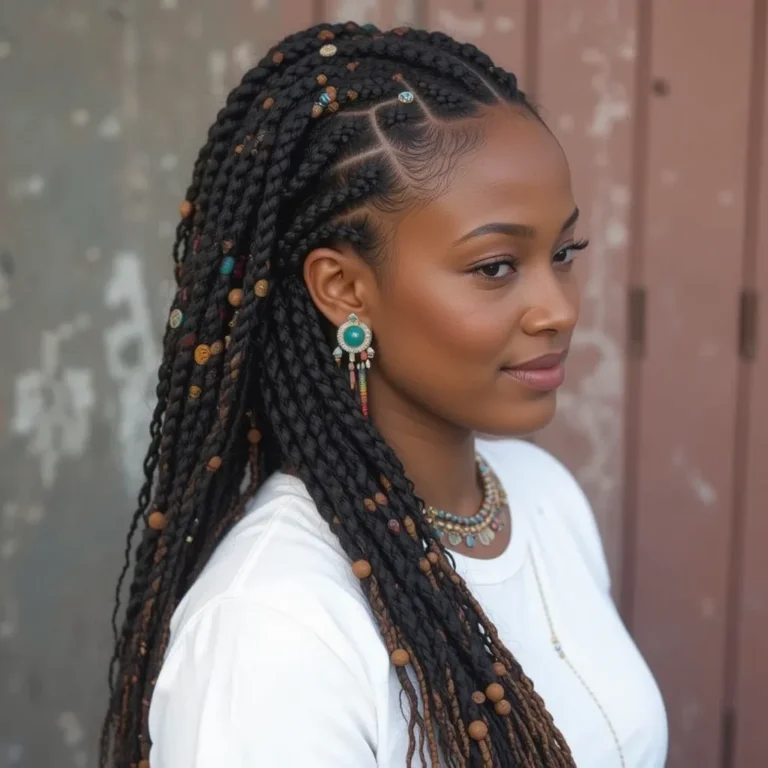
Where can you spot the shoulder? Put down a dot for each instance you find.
(281, 562)
(529, 472)
(276, 613)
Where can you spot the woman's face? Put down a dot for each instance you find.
(473, 314)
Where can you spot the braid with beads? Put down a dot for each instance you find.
(335, 118)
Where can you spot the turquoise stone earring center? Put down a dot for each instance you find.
(354, 336)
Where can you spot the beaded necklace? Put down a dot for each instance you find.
(481, 527)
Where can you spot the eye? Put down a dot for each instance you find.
(496, 270)
(566, 255)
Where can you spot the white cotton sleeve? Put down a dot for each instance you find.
(245, 685)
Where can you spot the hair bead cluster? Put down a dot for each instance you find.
(320, 133)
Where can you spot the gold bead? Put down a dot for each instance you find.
(494, 692)
(217, 348)
(195, 392)
(321, 79)
(214, 463)
(328, 50)
(361, 569)
(156, 521)
(261, 289)
(478, 730)
(185, 209)
(202, 354)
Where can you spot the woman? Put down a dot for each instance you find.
(294, 600)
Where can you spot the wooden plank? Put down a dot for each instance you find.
(385, 14)
(693, 237)
(498, 27)
(586, 89)
(750, 675)
(289, 16)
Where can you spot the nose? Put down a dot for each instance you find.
(553, 307)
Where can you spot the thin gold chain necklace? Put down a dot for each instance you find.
(560, 651)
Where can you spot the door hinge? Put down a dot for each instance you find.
(748, 324)
(636, 321)
(728, 735)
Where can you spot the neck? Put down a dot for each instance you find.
(439, 458)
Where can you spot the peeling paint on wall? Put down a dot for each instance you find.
(54, 403)
(132, 357)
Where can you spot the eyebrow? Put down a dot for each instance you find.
(515, 230)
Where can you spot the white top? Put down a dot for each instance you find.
(275, 659)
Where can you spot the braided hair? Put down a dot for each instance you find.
(334, 121)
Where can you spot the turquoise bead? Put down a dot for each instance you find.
(227, 265)
(470, 541)
(354, 336)
(324, 99)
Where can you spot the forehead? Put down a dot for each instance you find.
(518, 173)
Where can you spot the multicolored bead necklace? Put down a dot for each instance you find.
(481, 527)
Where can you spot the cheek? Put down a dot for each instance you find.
(447, 330)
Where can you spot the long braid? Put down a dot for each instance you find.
(314, 133)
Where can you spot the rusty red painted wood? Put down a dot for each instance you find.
(585, 67)
(751, 621)
(693, 237)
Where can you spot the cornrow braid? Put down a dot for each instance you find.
(334, 122)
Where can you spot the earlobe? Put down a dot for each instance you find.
(338, 282)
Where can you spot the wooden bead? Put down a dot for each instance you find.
(477, 730)
(277, 57)
(502, 707)
(227, 245)
(332, 92)
(261, 289)
(352, 66)
(317, 110)
(185, 209)
(326, 34)
(254, 436)
(499, 669)
(202, 354)
(351, 95)
(321, 79)
(235, 297)
(361, 569)
(433, 558)
(494, 692)
(214, 463)
(400, 657)
(424, 565)
(268, 102)
(381, 499)
(195, 392)
(156, 521)
(478, 697)
(369, 504)
(217, 348)
(333, 106)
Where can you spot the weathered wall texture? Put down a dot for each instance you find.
(662, 109)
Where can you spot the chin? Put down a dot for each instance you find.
(520, 419)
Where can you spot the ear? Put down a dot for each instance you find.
(340, 283)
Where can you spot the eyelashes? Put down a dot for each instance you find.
(505, 265)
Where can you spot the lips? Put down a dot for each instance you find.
(545, 373)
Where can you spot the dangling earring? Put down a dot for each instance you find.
(354, 338)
